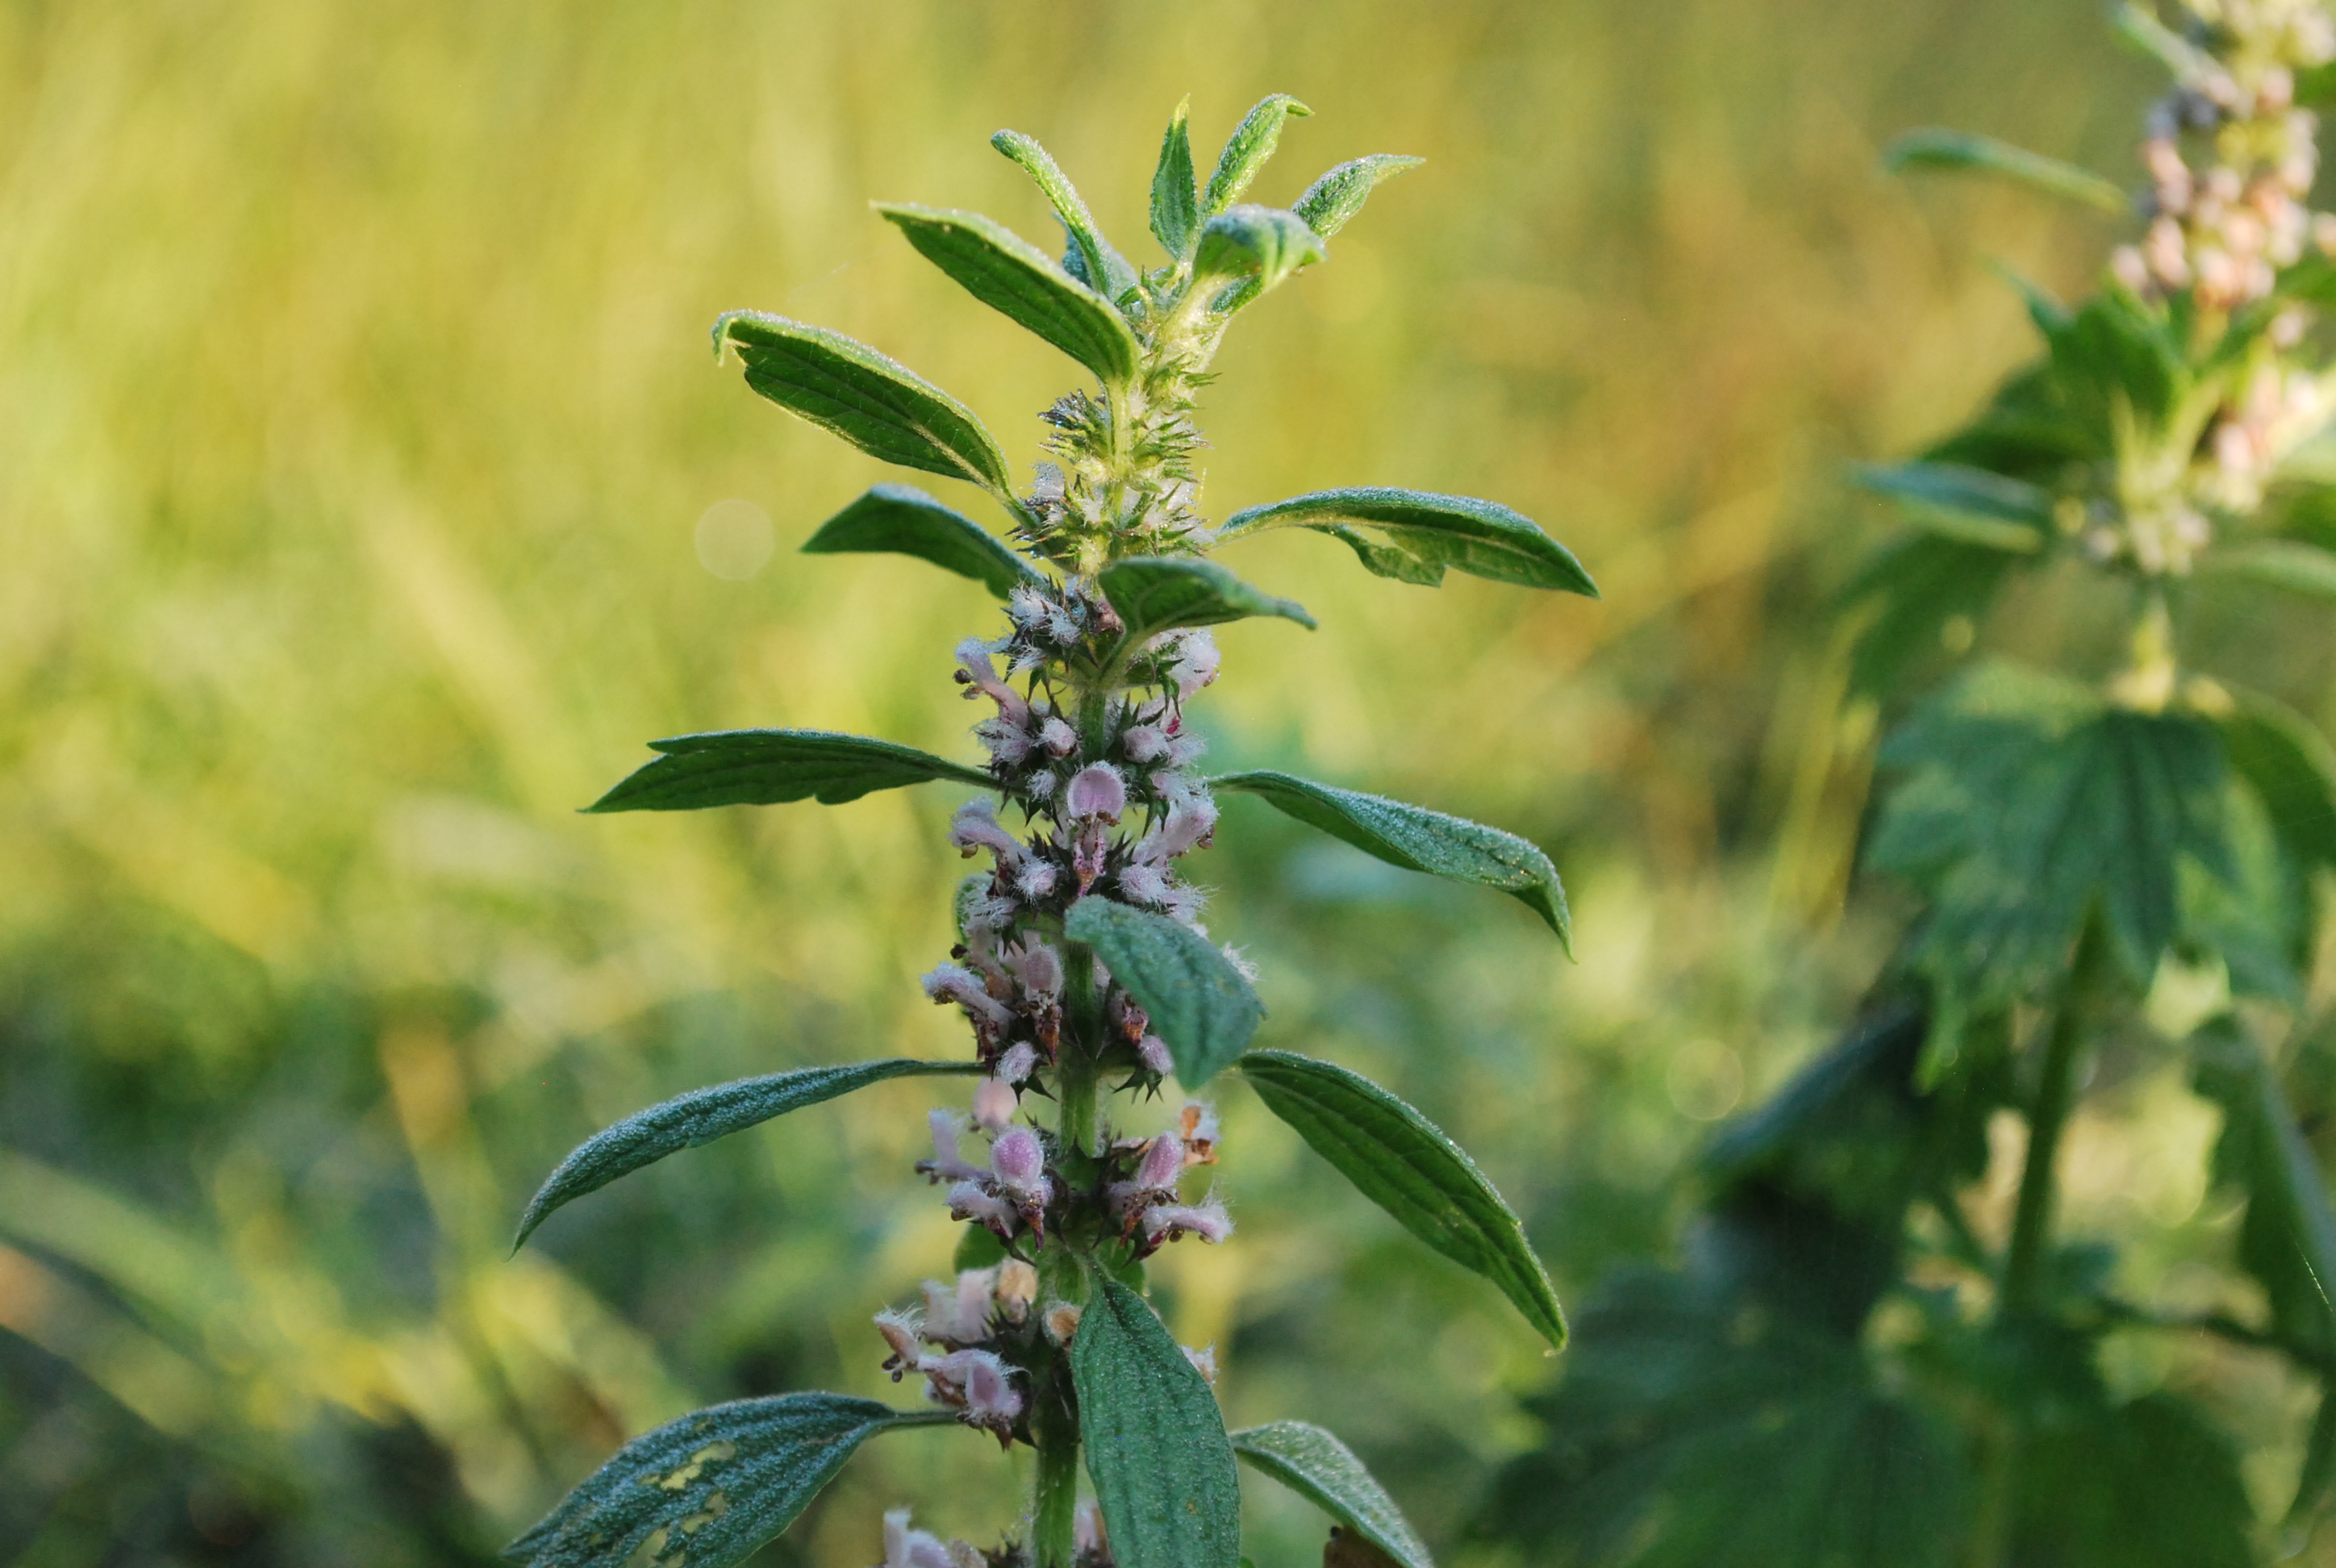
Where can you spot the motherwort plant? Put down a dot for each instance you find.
(2120, 880)
(1081, 964)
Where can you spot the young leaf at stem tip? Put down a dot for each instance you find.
(1153, 594)
(1330, 203)
(701, 1115)
(1418, 839)
(1246, 151)
(878, 405)
(1315, 1464)
(1426, 533)
(1967, 504)
(1258, 246)
(1402, 1162)
(1099, 266)
(1018, 280)
(1175, 201)
(1156, 1442)
(1199, 1003)
(773, 767)
(717, 1483)
(1960, 152)
(901, 519)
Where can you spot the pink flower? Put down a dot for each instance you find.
(1014, 1066)
(976, 827)
(903, 1332)
(971, 1200)
(1059, 737)
(950, 983)
(959, 1313)
(1155, 1174)
(979, 1384)
(1019, 1165)
(1035, 880)
(1153, 1051)
(945, 1165)
(1096, 791)
(995, 1103)
(1037, 966)
(975, 670)
(1143, 883)
(906, 1548)
(1205, 1362)
(1168, 1222)
(1199, 1121)
(1198, 665)
(1144, 743)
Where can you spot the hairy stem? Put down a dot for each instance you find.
(1055, 1499)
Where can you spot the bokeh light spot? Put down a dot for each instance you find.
(734, 539)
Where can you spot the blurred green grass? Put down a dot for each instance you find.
(355, 418)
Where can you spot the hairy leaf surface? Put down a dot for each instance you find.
(1201, 1005)
(701, 1115)
(878, 405)
(1091, 260)
(714, 1485)
(1330, 203)
(1016, 278)
(1246, 151)
(1315, 1464)
(1960, 152)
(1257, 246)
(901, 519)
(1418, 839)
(772, 767)
(1176, 194)
(1403, 1163)
(1425, 534)
(1156, 1442)
(1153, 594)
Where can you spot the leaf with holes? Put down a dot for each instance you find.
(701, 1115)
(1156, 1442)
(1199, 1003)
(711, 1487)
(1331, 203)
(878, 405)
(1153, 594)
(1425, 534)
(772, 767)
(901, 519)
(1418, 839)
(1961, 153)
(1315, 1464)
(1018, 280)
(1403, 1163)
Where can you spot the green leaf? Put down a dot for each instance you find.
(1246, 151)
(1907, 594)
(2287, 1240)
(1315, 1464)
(1426, 533)
(1199, 1003)
(2292, 769)
(1176, 200)
(1153, 594)
(771, 766)
(1092, 260)
(1014, 278)
(1968, 503)
(1156, 1442)
(880, 406)
(701, 1115)
(1257, 246)
(1332, 201)
(2150, 1484)
(717, 1484)
(2288, 564)
(901, 519)
(1400, 1159)
(1960, 151)
(1418, 839)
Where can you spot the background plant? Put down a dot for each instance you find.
(1881, 1349)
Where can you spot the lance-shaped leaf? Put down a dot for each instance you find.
(703, 1116)
(1400, 1159)
(901, 519)
(2288, 1239)
(717, 1483)
(1156, 1442)
(759, 767)
(2288, 564)
(1967, 504)
(1092, 260)
(1175, 198)
(1418, 839)
(1254, 249)
(1425, 534)
(1199, 1003)
(2292, 767)
(1332, 201)
(1960, 152)
(1016, 278)
(1153, 594)
(1315, 1464)
(878, 405)
(1246, 151)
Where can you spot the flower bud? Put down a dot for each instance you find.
(1061, 1320)
(994, 1104)
(1154, 1052)
(1019, 1165)
(1017, 1287)
(1059, 737)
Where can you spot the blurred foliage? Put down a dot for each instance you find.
(366, 493)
